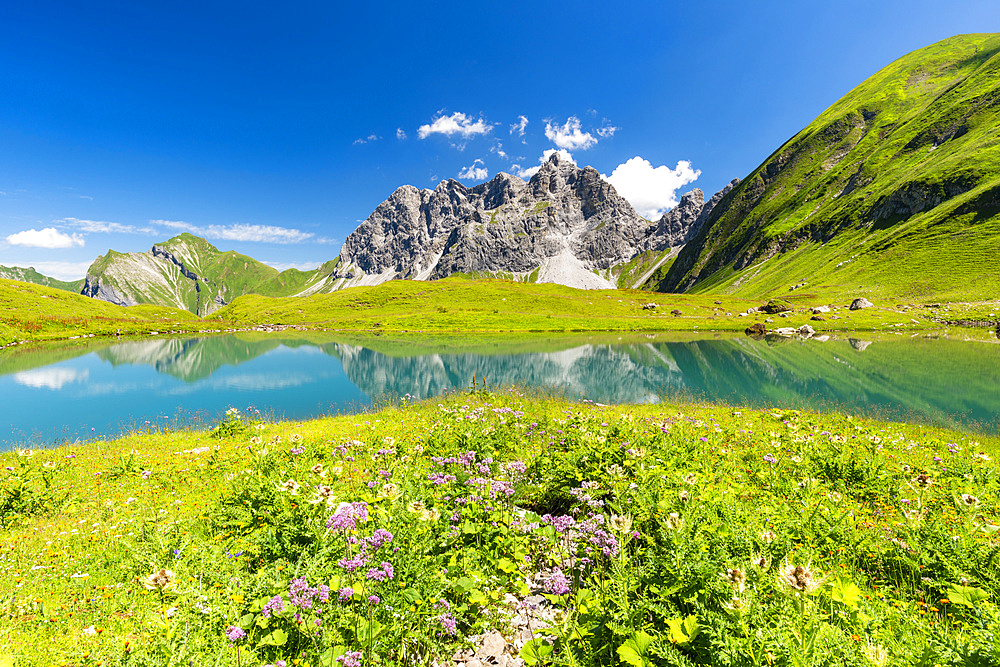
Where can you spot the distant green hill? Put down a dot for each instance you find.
(30, 275)
(189, 272)
(892, 191)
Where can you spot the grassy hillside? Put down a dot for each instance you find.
(30, 275)
(35, 312)
(667, 534)
(892, 191)
(189, 272)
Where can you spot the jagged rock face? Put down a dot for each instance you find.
(567, 223)
(682, 222)
(672, 228)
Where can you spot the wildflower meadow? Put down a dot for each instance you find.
(499, 528)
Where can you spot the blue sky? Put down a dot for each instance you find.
(274, 128)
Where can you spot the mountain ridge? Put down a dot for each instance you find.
(894, 188)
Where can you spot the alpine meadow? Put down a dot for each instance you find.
(531, 413)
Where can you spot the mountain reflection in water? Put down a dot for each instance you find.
(65, 392)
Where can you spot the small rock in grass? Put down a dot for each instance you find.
(860, 303)
(756, 329)
(817, 318)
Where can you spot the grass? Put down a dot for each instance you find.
(699, 515)
(37, 313)
(464, 306)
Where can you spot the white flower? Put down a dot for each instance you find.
(91, 631)
(969, 501)
(291, 486)
(160, 580)
(737, 578)
(621, 524)
(799, 578)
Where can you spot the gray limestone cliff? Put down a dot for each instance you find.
(565, 225)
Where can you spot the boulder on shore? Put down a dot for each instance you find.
(774, 307)
(860, 303)
(756, 329)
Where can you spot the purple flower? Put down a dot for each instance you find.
(234, 633)
(275, 605)
(557, 583)
(345, 594)
(301, 594)
(352, 564)
(374, 599)
(382, 573)
(770, 458)
(448, 624)
(378, 539)
(350, 659)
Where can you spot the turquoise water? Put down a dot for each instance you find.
(58, 393)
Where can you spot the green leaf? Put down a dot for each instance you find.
(464, 584)
(477, 597)
(506, 565)
(246, 621)
(966, 595)
(535, 651)
(683, 630)
(628, 655)
(691, 626)
(846, 592)
(276, 637)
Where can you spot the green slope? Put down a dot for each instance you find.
(189, 272)
(36, 312)
(893, 190)
(30, 275)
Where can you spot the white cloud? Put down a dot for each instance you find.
(400, 134)
(569, 136)
(50, 237)
(606, 131)
(244, 232)
(518, 127)
(103, 227)
(457, 123)
(51, 378)
(368, 139)
(651, 190)
(531, 171)
(476, 171)
(62, 270)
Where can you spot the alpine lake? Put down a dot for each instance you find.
(96, 388)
